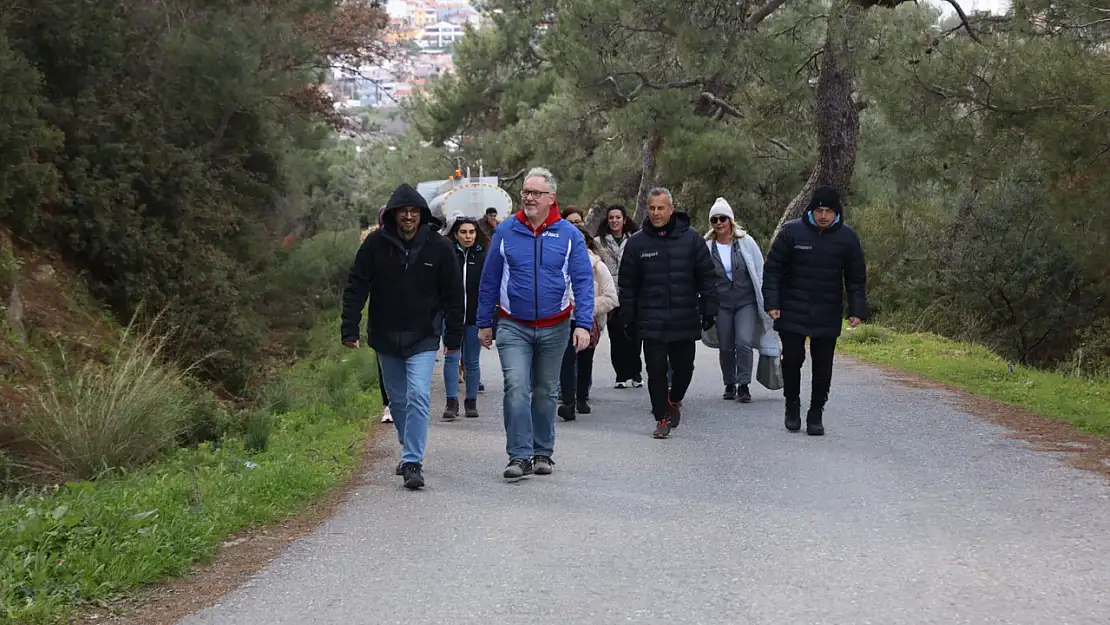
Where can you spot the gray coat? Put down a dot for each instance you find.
(766, 340)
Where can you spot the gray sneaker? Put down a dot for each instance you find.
(543, 465)
(518, 468)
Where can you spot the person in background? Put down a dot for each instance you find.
(576, 376)
(612, 236)
(470, 248)
(366, 228)
(668, 297)
(488, 222)
(411, 277)
(812, 262)
(535, 261)
(741, 322)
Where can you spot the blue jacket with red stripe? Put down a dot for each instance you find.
(529, 275)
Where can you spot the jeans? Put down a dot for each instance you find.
(470, 354)
(530, 362)
(679, 358)
(409, 383)
(822, 350)
(735, 329)
(625, 353)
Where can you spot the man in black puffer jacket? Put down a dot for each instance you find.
(812, 261)
(668, 295)
(410, 274)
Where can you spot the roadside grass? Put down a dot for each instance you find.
(1084, 403)
(91, 542)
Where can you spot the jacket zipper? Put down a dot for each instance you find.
(537, 252)
(466, 288)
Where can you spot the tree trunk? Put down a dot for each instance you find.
(837, 116)
(652, 147)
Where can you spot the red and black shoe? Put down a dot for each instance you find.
(674, 413)
(662, 428)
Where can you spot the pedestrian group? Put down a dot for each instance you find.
(545, 290)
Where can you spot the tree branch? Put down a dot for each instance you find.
(763, 13)
(963, 20)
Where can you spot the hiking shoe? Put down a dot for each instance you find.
(730, 392)
(674, 414)
(566, 411)
(793, 415)
(814, 427)
(414, 479)
(744, 396)
(400, 468)
(662, 428)
(543, 465)
(451, 412)
(518, 468)
(582, 407)
(471, 407)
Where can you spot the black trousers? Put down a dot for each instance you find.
(381, 386)
(822, 350)
(576, 374)
(625, 353)
(679, 356)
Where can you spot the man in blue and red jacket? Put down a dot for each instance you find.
(534, 264)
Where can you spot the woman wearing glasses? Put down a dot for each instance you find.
(742, 325)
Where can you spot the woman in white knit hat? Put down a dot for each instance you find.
(742, 324)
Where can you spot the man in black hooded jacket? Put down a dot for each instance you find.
(410, 274)
(812, 261)
(668, 294)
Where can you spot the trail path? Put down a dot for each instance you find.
(908, 512)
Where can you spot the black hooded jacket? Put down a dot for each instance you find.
(808, 270)
(667, 282)
(413, 286)
(471, 261)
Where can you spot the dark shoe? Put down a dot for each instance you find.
(814, 427)
(674, 414)
(400, 469)
(414, 479)
(518, 468)
(793, 415)
(582, 407)
(471, 407)
(744, 396)
(543, 465)
(662, 428)
(566, 411)
(730, 392)
(481, 388)
(451, 412)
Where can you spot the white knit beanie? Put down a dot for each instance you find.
(721, 207)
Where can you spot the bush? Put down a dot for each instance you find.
(122, 414)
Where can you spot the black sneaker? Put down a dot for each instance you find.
(518, 468)
(814, 427)
(471, 407)
(744, 395)
(730, 392)
(543, 465)
(662, 428)
(583, 407)
(400, 469)
(451, 412)
(566, 411)
(414, 479)
(793, 415)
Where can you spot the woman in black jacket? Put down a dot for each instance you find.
(470, 248)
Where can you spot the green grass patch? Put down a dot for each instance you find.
(1082, 402)
(90, 542)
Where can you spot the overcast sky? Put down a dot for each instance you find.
(994, 6)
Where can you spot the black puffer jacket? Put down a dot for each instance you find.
(667, 282)
(807, 272)
(413, 286)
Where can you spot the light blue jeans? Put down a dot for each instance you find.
(408, 382)
(470, 354)
(530, 362)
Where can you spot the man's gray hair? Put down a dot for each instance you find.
(548, 177)
(657, 191)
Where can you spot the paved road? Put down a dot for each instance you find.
(906, 513)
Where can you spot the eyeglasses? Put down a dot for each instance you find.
(534, 193)
(718, 219)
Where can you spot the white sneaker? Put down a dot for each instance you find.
(386, 416)
(620, 384)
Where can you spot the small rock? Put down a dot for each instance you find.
(45, 273)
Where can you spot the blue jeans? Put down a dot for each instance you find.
(530, 362)
(470, 354)
(408, 381)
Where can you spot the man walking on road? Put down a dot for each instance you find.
(812, 261)
(534, 262)
(668, 296)
(409, 272)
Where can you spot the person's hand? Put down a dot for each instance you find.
(774, 314)
(351, 344)
(707, 322)
(854, 321)
(485, 337)
(581, 339)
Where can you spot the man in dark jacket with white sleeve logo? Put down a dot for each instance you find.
(812, 261)
(410, 274)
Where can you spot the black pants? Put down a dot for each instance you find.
(625, 353)
(381, 386)
(679, 356)
(576, 373)
(822, 351)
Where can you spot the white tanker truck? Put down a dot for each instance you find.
(465, 195)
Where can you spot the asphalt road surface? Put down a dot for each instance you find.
(907, 512)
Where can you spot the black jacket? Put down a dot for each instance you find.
(667, 282)
(413, 287)
(806, 274)
(471, 262)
